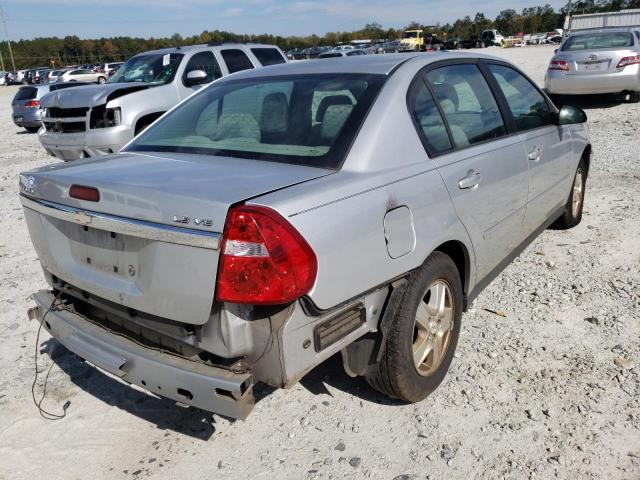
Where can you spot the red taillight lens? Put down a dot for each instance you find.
(625, 61)
(263, 260)
(32, 103)
(81, 192)
(562, 65)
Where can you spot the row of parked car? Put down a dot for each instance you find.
(98, 73)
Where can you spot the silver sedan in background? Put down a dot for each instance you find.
(597, 62)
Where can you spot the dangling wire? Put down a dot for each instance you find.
(44, 413)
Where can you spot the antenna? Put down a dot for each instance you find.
(4, 24)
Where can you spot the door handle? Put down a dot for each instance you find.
(470, 181)
(535, 154)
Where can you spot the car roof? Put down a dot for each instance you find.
(362, 64)
(202, 46)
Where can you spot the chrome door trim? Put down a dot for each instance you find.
(124, 225)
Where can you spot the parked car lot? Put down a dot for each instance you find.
(536, 392)
(512, 166)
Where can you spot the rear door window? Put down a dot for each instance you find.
(205, 61)
(236, 60)
(528, 106)
(268, 56)
(468, 104)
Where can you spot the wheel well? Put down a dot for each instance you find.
(460, 256)
(144, 122)
(586, 155)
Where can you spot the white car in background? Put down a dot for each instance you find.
(82, 75)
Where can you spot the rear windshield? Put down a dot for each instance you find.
(300, 119)
(26, 93)
(268, 56)
(596, 41)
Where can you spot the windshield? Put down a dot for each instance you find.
(410, 35)
(156, 68)
(595, 41)
(301, 119)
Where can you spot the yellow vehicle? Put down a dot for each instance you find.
(412, 40)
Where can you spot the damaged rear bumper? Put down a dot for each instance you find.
(209, 388)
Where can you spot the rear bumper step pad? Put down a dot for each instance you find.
(191, 383)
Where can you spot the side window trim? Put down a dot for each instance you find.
(501, 100)
(186, 64)
(423, 77)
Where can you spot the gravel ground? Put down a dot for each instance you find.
(549, 390)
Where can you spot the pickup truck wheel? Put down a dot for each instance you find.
(424, 333)
(572, 214)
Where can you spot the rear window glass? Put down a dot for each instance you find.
(597, 41)
(300, 119)
(330, 55)
(268, 56)
(236, 60)
(26, 93)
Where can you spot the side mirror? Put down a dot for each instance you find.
(570, 115)
(195, 77)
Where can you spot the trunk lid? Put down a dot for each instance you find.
(148, 266)
(597, 61)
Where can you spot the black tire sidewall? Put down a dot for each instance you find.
(407, 382)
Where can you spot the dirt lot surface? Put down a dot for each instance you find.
(550, 390)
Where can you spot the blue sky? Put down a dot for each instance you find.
(159, 18)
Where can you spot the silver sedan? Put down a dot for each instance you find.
(597, 62)
(280, 216)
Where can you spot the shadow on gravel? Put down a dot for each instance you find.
(332, 373)
(164, 413)
(587, 102)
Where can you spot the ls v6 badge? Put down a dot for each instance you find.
(204, 222)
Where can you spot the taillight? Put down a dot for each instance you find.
(91, 194)
(264, 260)
(32, 103)
(629, 61)
(561, 65)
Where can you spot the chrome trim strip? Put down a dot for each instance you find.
(124, 225)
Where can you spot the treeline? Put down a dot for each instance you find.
(54, 51)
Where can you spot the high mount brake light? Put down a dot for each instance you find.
(561, 65)
(263, 259)
(626, 61)
(90, 194)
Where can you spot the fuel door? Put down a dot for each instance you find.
(399, 232)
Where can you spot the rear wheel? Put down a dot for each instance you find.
(102, 80)
(572, 214)
(424, 333)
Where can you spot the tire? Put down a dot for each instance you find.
(102, 80)
(634, 97)
(32, 129)
(397, 375)
(572, 214)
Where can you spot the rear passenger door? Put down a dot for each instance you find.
(547, 147)
(483, 167)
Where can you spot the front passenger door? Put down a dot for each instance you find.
(205, 61)
(547, 147)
